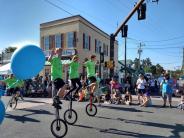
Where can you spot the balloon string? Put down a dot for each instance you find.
(13, 84)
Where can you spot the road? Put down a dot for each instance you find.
(33, 117)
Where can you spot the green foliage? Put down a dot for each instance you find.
(10, 49)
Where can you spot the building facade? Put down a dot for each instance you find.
(76, 35)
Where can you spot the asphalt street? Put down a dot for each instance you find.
(33, 117)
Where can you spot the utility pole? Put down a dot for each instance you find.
(183, 62)
(139, 52)
(100, 63)
(125, 58)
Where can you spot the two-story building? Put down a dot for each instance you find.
(76, 35)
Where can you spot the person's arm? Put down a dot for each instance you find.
(50, 57)
(85, 62)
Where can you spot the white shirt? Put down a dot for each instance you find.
(141, 84)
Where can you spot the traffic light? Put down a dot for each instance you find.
(124, 31)
(142, 12)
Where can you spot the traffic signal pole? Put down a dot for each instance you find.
(128, 17)
(112, 36)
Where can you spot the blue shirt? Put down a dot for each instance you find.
(167, 86)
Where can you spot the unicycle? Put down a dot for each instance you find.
(12, 102)
(58, 126)
(91, 108)
(70, 115)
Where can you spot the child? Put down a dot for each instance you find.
(128, 98)
(83, 92)
(94, 89)
(146, 100)
(115, 91)
(181, 105)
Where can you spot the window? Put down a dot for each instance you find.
(105, 49)
(70, 40)
(46, 43)
(58, 40)
(97, 46)
(86, 41)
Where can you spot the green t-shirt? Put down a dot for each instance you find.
(19, 83)
(90, 68)
(10, 82)
(73, 71)
(56, 68)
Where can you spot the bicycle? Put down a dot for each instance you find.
(58, 124)
(70, 115)
(91, 108)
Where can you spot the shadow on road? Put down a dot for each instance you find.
(31, 101)
(128, 133)
(33, 111)
(118, 132)
(24, 118)
(85, 126)
(21, 118)
(176, 129)
(125, 109)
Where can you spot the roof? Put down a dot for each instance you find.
(69, 18)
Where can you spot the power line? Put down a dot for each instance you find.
(163, 40)
(81, 11)
(58, 7)
(158, 48)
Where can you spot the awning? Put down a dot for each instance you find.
(5, 69)
(63, 62)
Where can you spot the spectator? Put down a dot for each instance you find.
(146, 100)
(167, 91)
(141, 82)
(128, 98)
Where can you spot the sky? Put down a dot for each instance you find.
(161, 34)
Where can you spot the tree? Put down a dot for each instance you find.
(159, 69)
(10, 49)
(153, 69)
(136, 63)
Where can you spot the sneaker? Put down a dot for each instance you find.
(170, 106)
(57, 100)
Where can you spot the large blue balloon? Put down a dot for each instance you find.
(2, 111)
(27, 62)
(2, 92)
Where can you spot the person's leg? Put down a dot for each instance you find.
(73, 81)
(130, 99)
(164, 96)
(54, 91)
(170, 99)
(79, 86)
(61, 90)
(139, 95)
